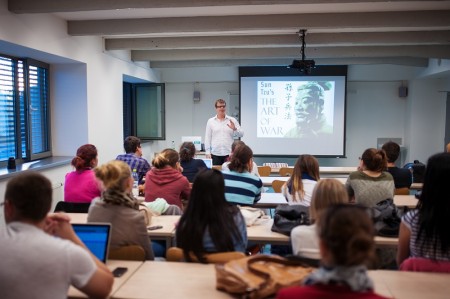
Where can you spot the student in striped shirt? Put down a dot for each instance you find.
(424, 232)
(241, 186)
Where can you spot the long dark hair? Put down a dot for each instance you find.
(207, 210)
(434, 205)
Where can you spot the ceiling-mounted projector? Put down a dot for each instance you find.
(303, 65)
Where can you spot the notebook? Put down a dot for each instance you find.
(96, 237)
(208, 162)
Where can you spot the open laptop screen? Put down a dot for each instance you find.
(96, 237)
(208, 162)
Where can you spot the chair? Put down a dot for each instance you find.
(264, 170)
(217, 167)
(72, 207)
(286, 171)
(175, 254)
(401, 191)
(276, 185)
(128, 253)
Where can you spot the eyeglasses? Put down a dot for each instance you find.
(222, 106)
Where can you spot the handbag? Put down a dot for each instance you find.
(386, 218)
(259, 276)
(289, 216)
(251, 215)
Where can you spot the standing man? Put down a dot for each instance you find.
(402, 176)
(133, 157)
(221, 130)
(40, 254)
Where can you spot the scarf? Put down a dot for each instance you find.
(120, 198)
(354, 277)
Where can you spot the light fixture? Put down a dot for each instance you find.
(303, 65)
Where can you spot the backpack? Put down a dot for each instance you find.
(418, 170)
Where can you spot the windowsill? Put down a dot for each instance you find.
(38, 165)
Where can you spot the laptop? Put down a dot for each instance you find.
(96, 237)
(208, 162)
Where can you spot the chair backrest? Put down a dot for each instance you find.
(217, 167)
(425, 265)
(276, 185)
(264, 170)
(128, 253)
(72, 207)
(175, 254)
(401, 191)
(286, 171)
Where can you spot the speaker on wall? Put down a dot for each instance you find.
(403, 91)
(196, 96)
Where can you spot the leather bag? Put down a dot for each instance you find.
(259, 276)
(289, 216)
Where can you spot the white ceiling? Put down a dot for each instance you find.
(177, 33)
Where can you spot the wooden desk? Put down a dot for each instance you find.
(327, 170)
(416, 186)
(190, 280)
(118, 281)
(171, 280)
(261, 233)
(411, 285)
(267, 180)
(272, 200)
(166, 233)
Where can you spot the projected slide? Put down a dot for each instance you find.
(294, 109)
(289, 115)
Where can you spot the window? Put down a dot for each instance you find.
(143, 110)
(24, 110)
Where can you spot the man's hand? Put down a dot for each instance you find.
(231, 125)
(58, 224)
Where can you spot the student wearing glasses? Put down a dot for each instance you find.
(221, 130)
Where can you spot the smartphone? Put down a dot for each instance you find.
(119, 271)
(154, 227)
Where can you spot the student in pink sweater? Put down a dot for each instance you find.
(80, 185)
(164, 179)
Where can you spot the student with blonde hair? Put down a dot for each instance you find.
(347, 246)
(298, 189)
(164, 179)
(303, 237)
(118, 207)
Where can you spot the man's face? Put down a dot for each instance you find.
(221, 109)
(308, 106)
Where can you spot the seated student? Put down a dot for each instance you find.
(133, 157)
(346, 242)
(304, 238)
(424, 231)
(298, 189)
(81, 185)
(371, 183)
(164, 180)
(242, 187)
(402, 176)
(209, 223)
(118, 207)
(35, 247)
(235, 144)
(190, 165)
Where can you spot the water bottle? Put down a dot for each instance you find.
(173, 144)
(136, 182)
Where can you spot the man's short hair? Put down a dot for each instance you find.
(392, 150)
(220, 101)
(31, 194)
(131, 144)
